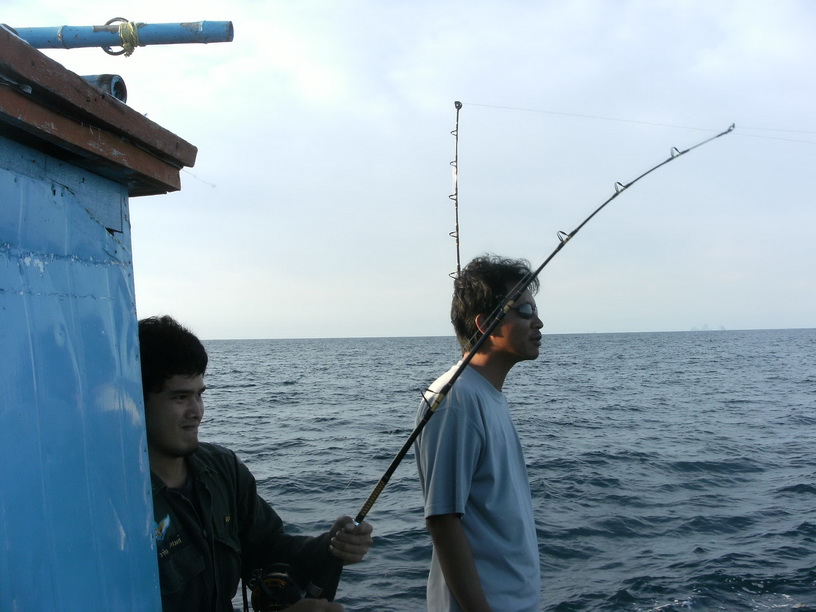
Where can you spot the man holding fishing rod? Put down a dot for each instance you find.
(478, 507)
(212, 528)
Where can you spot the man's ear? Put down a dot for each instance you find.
(482, 323)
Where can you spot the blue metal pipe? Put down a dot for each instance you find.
(72, 37)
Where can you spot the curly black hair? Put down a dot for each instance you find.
(168, 349)
(480, 287)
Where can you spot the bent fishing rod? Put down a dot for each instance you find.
(496, 317)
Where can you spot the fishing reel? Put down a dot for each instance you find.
(273, 590)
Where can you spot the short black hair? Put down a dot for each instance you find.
(480, 287)
(168, 349)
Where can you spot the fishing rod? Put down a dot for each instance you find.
(496, 317)
(455, 195)
(271, 591)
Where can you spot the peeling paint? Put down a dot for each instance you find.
(35, 262)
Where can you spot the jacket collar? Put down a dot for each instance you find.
(198, 470)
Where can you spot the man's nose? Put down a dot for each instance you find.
(195, 407)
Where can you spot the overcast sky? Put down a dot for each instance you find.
(318, 206)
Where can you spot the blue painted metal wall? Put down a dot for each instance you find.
(75, 506)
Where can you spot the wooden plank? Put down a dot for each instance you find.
(90, 147)
(53, 84)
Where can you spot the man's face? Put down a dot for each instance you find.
(518, 336)
(173, 414)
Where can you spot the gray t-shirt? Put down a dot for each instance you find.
(470, 463)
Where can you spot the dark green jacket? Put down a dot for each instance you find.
(203, 552)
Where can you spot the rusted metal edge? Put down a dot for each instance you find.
(54, 85)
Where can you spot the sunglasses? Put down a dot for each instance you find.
(526, 310)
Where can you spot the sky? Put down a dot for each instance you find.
(319, 202)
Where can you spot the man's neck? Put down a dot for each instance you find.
(172, 470)
(492, 367)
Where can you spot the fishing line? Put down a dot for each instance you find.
(742, 129)
(777, 138)
(364, 462)
(198, 178)
(496, 317)
(580, 116)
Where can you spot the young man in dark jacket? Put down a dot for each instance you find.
(212, 527)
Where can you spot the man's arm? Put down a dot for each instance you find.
(456, 559)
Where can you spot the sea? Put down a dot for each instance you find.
(669, 471)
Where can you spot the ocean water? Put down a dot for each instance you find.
(670, 471)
